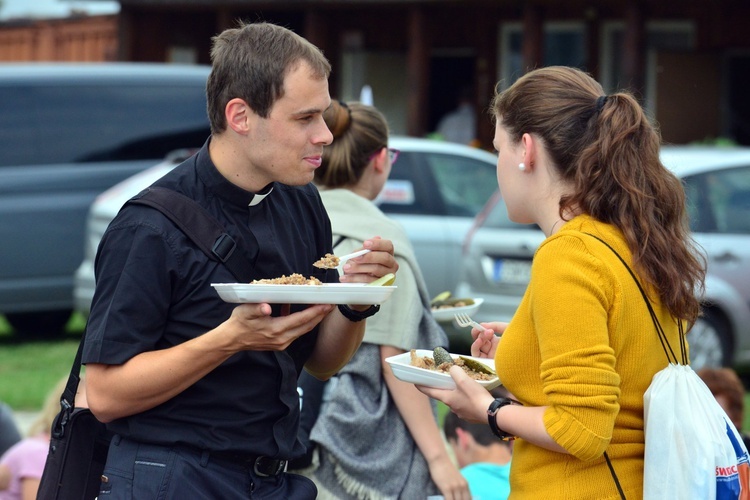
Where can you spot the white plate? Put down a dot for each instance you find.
(446, 314)
(403, 370)
(327, 293)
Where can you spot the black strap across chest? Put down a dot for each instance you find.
(198, 225)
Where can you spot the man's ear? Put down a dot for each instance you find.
(238, 115)
(464, 438)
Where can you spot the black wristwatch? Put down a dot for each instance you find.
(492, 411)
(354, 315)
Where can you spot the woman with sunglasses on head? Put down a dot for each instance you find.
(581, 349)
(377, 437)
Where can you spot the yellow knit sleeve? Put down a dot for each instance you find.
(572, 298)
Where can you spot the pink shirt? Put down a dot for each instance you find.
(26, 460)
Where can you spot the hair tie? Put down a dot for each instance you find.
(338, 118)
(600, 102)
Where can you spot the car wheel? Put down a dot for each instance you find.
(39, 324)
(710, 342)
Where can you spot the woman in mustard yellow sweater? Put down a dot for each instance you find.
(581, 349)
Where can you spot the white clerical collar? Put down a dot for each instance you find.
(258, 197)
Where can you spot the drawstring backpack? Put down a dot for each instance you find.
(693, 449)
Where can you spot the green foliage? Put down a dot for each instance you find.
(715, 141)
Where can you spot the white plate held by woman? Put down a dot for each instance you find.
(404, 371)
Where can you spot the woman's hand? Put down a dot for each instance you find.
(448, 479)
(486, 340)
(469, 400)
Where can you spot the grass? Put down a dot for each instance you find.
(29, 369)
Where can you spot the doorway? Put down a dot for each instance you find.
(448, 76)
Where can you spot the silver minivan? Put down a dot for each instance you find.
(67, 133)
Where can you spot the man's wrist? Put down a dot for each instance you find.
(359, 307)
(358, 314)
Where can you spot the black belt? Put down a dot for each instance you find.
(262, 466)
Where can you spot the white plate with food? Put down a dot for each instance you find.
(404, 370)
(445, 313)
(326, 293)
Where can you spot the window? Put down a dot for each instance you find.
(719, 202)
(660, 36)
(464, 184)
(70, 124)
(564, 44)
(427, 183)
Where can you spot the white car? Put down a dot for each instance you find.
(497, 260)
(435, 190)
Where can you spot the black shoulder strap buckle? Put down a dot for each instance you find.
(198, 225)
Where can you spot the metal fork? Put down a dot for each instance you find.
(465, 320)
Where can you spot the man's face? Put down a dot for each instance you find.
(287, 146)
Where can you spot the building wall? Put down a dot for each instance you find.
(87, 39)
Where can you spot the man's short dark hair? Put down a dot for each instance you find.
(480, 432)
(250, 62)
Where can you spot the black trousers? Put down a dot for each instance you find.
(138, 471)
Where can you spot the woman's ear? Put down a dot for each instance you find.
(379, 160)
(529, 144)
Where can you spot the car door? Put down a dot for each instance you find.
(435, 196)
(719, 207)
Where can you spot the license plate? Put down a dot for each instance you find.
(512, 271)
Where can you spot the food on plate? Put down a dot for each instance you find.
(440, 355)
(443, 300)
(293, 279)
(330, 261)
(437, 362)
(385, 280)
(451, 303)
(441, 297)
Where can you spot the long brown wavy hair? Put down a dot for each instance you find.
(608, 150)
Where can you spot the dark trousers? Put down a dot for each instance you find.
(138, 471)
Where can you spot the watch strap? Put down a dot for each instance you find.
(354, 315)
(492, 417)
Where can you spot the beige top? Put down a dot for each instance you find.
(358, 219)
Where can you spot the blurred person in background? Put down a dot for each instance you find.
(9, 434)
(377, 437)
(460, 125)
(21, 467)
(581, 349)
(484, 459)
(727, 388)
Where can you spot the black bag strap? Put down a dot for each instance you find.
(198, 225)
(68, 398)
(614, 476)
(671, 356)
(662, 338)
(204, 230)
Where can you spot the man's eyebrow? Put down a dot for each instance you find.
(311, 111)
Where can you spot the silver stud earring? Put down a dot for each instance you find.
(521, 166)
